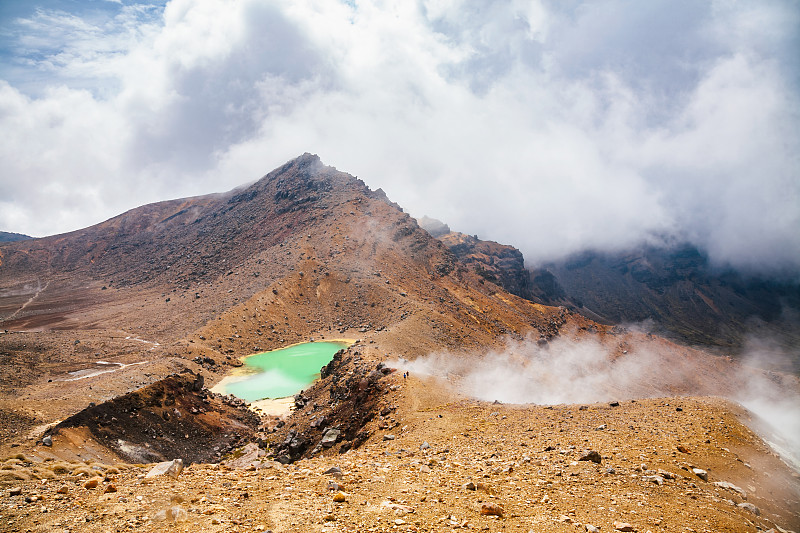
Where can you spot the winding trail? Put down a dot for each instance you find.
(39, 290)
(89, 373)
(137, 339)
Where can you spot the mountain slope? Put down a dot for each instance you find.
(677, 289)
(305, 252)
(95, 325)
(6, 236)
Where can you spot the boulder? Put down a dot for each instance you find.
(330, 437)
(171, 468)
(592, 456)
(492, 509)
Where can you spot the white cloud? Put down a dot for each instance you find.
(547, 125)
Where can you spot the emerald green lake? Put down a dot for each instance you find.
(283, 372)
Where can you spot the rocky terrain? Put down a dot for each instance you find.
(111, 336)
(498, 263)
(675, 290)
(680, 292)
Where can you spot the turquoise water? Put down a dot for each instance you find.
(283, 372)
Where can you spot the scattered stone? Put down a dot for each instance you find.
(614, 404)
(47, 440)
(171, 468)
(623, 526)
(683, 449)
(332, 485)
(63, 489)
(470, 486)
(110, 488)
(591, 529)
(398, 508)
(173, 514)
(330, 437)
(388, 437)
(750, 507)
(699, 472)
(658, 480)
(340, 497)
(492, 509)
(731, 486)
(592, 456)
(15, 491)
(483, 487)
(249, 457)
(334, 471)
(425, 446)
(92, 483)
(666, 474)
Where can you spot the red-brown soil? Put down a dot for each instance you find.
(310, 252)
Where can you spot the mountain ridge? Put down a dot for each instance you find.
(110, 337)
(673, 290)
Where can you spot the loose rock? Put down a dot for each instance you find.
(592, 456)
(492, 509)
(171, 468)
(750, 507)
(702, 474)
(731, 486)
(330, 437)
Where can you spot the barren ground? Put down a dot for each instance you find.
(308, 252)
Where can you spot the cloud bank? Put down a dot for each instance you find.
(548, 125)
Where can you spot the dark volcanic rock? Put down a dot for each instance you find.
(171, 418)
(498, 263)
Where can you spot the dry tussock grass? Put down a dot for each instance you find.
(18, 456)
(12, 476)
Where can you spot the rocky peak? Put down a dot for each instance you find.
(501, 264)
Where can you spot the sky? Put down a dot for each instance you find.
(555, 126)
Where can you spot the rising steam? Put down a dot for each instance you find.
(568, 371)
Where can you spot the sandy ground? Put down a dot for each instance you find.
(523, 459)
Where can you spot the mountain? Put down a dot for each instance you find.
(110, 337)
(679, 291)
(674, 291)
(6, 236)
(305, 252)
